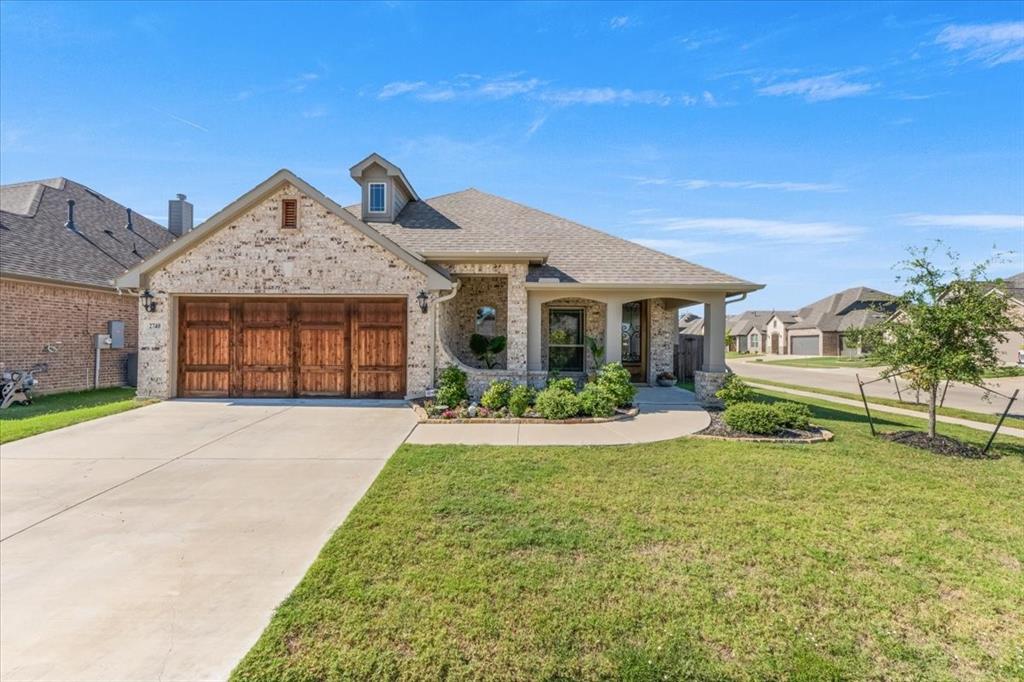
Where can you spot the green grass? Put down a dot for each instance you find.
(686, 384)
(1002, 372)
(686, 559)
(916, 407)
(734, 354)
(58, 410)
(824, 362)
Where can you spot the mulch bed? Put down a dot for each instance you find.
(940, 445)
(425, 418)
(719, 429)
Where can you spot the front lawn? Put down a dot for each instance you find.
(687, 559)
(823, 362)
(49, 412)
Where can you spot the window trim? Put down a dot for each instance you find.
(582, 345)
(284, 224)
(369, 197)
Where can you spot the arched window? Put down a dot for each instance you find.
(486, 320)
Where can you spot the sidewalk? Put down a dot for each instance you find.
(980, 426)
(665, 413)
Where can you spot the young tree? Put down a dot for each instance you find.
(946, 325)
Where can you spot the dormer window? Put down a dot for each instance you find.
(378, 197)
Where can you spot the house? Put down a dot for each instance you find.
(820, 328)
(1011, 351)
(286, 293)
(747, 331)
(776, 332)
(61, 244)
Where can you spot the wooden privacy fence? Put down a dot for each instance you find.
(689, 355)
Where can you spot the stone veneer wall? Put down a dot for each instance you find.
(34, 316)
(474, 293)
(664, 323)
(515, 311)
(255, 256)
(593, 325)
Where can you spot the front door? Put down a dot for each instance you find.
(634, 340)
(775, 343)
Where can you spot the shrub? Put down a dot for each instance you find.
(793, 415)
(614, 378)
(496, 396)
(758, 418)
(452, 387)
(520, 399)
(487, 348)
(555, 402)
(597, 401)
(734, 391)
(563, 384)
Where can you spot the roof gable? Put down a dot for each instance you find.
(136, 276)
(391, 169)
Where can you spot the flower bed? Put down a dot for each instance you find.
(719, 430)
(420, 407)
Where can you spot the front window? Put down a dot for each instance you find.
(378, 197)
(565, 340)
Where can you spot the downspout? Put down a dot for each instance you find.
(433, 330)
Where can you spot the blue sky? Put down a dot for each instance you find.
(799, 145)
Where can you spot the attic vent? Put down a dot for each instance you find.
(289, 214)
(70, 223)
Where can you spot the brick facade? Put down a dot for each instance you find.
(36, 317)
(664, 327)
(593, 325)
(255, 255)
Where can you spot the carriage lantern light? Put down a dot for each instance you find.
(148, 301)
(422, 299)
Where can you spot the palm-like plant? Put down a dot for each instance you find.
(487, 348)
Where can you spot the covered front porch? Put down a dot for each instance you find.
(569, 329)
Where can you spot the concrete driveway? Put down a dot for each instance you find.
(155, 544)
(962, 396)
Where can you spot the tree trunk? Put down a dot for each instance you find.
(933, 395)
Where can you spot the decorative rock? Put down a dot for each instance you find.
(472, 410)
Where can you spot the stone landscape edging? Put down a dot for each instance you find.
(424, 418)
(824, 437)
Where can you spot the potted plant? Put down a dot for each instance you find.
(666, 379)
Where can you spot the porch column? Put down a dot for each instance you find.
(517, 350)
(706, 339)
(533, 320)
(714, 334)
(613, 330)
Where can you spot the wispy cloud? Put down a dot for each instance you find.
(967, 221)
(819, 88)
(536, 125)
(990, 44)
(784, 186)
(606, 96)
(688, 248)
(473, 86)
(621, 22)
(783, 231)
(400, 88)
(315, 112)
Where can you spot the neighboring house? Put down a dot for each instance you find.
(1011, 351)
(61, 245)
(777, 332)
(692, 325)
(821, 327)
(747, 331)
(284, 292)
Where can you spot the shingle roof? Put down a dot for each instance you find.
(34, 242)
(848, 309)
(474, 221)
(745, 322)
(1015, 286)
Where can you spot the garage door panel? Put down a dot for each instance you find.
(803, 345)
(207, 346)
(271, 348)
(203, 383)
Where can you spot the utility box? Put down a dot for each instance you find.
(115, 330)
(101, 341)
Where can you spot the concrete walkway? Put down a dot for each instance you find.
(665, 413)
(155, 544)
(980, 426)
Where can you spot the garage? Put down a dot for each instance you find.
(803, 345)
(285, 348)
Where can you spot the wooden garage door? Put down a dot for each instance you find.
(284, 348)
